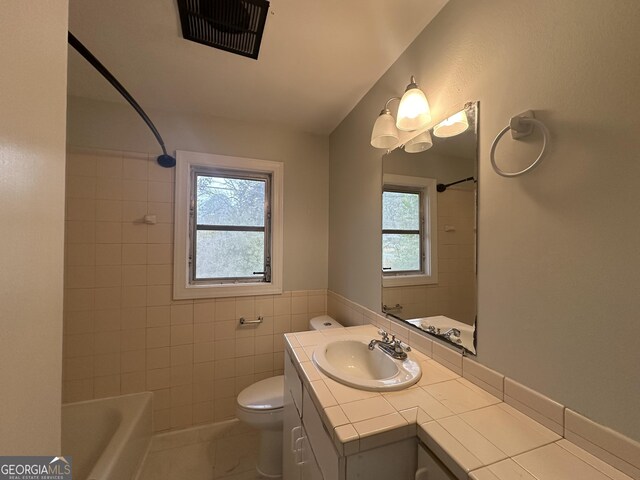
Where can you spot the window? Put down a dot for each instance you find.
(402, 231)
(230, 219)
(228, 229)
(409, 231)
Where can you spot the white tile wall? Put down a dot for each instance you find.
(123, 333)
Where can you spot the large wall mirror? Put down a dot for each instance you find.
(429, 229)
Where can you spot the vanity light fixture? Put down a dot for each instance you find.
(419, 143)
(413, 114)
(385, 134)
(452, 126)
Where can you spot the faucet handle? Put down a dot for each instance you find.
(385, 335)
(400, 345)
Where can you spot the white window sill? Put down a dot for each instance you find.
(226, 290)
(408, 280)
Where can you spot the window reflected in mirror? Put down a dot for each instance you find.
(402, 235)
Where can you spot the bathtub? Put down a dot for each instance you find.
(107, 438)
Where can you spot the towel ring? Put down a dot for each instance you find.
(520, 126)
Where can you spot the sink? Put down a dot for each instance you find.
(349, 361)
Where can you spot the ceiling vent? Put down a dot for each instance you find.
(232, 25)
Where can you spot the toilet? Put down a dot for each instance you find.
(323, 322)
(261, 406)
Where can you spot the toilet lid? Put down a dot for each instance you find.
(323, 322)
(266, 394)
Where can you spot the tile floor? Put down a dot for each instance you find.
(226, 450)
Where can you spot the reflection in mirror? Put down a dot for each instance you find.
(429, 219)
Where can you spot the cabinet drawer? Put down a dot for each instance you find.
(292, 382)
(320, 440)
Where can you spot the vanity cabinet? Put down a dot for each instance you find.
(310, 454)
(299, 462)
(308, 451)
(430, 467)
(292, 428)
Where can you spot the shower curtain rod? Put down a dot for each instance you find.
(441, 187)
(164, 160)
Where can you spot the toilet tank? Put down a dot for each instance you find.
(323, 322)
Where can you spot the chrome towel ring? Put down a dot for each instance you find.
(520, 126)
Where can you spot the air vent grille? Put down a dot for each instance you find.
(232, 25)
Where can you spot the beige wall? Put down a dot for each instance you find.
(115, 126)
(32, 147)
(559, 262)
(123, 333)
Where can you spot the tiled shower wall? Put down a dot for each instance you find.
(123, 333)
(455, 293)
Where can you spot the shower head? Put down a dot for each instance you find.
(167, 161)
(441, 187)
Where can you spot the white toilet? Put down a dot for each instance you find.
(261, 406)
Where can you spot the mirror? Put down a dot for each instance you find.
(429, 219)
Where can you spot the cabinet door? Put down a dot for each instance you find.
(309, 467)
(292, 433)
(430, 467)
(394, 461)
(320, 440)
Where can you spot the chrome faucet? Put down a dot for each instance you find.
(451, 332)
(391, 346)
(385, 339)
(448, 334)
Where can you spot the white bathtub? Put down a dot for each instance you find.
(107, 438)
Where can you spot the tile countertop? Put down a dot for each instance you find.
(476, 435)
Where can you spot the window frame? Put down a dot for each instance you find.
(194, 225)
(420, 232)
(429, 233)
(188, 166)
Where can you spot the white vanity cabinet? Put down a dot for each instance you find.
(304, 437)
(292, 428)
(299, 462)
(310, 454)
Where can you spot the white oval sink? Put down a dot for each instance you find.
(349, 361)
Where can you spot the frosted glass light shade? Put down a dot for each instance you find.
(452, 126)
(420, 143)
(413, 112)
(385, 133)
